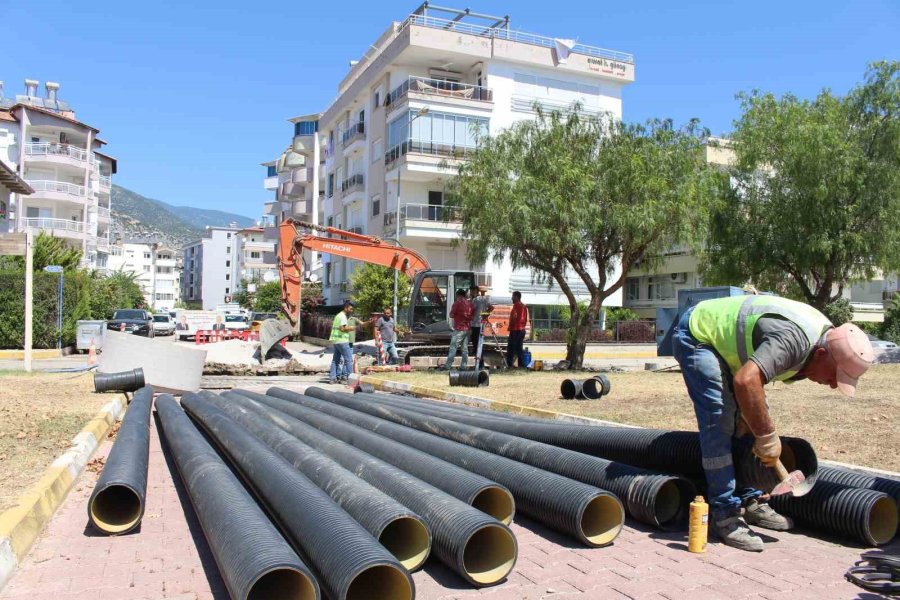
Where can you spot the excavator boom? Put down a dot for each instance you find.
(296, 236)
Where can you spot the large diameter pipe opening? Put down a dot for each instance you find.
(116, 509)
(602, 520)
(382, 581)
(283, 584)
(882, 524)
(497, 502)
(490, 554)
(408, 540)
(670, 507)
(569, 388)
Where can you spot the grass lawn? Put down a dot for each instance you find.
(863, 430)
(40, 413)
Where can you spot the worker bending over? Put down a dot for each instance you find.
(728, 349)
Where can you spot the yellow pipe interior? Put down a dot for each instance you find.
(490, 554)
(497, 502)
(408, 540)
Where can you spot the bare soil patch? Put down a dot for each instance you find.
(39, 416)
(864, 430)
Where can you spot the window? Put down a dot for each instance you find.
(306, 127)
(270, 171)
(430, 305)
(633, 289)
(254, 255)
(227, 290)
(377, 101)
(661, 288)
(434, 133)
(146, 256)
(376, 206)
(228, 262)
(227, 276)
(329, 185)
(362, 116)
(146, 268)
(228, 250)
(228, 236)
(435, 202)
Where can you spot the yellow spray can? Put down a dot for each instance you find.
(699, 525)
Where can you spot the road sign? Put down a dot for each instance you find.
(53, 269)
(12, 244)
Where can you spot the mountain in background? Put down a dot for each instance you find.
(139, 217)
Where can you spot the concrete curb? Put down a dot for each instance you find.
(386, 385)
(35, 354)
(21, 525)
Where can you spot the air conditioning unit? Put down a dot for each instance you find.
(678, 277)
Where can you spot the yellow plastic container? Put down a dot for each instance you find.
(698, 528)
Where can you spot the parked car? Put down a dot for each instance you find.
(236, 323)
(881, 345)
(136, 321)
(257, 318)
(163, 324)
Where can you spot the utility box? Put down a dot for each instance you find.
(87, 332)
(667, 318)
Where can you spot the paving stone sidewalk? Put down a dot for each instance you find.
(168, 558)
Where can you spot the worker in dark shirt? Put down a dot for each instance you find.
(728, 349)
(385, 325)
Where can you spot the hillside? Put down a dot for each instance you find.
(136, 216)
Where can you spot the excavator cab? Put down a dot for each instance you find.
(433, 295)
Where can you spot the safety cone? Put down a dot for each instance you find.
(92, 354)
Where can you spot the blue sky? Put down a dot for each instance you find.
(192, 96)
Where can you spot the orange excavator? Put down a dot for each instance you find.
(433, 291)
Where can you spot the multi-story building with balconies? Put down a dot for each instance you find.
(374, 161)
(155, 267)
(256, 261)
(61, 160)
(211, 267)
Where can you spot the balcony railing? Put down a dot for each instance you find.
(512, 36)
(103, 211)
(357, 131)
(352, 183)
(60, 187)
(55, 224)
(428, 212)
(425, 147)
(439, 87)
(105, 182)
(54, 149)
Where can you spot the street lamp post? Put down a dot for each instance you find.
(422, 112)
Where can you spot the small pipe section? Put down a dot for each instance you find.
(364, 388)
(481, 560)
(570, 389)
(475, 378)
(865, 481)
(123, 381)
(254, 560)
(116, 505)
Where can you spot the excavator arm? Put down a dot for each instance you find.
(296, 236)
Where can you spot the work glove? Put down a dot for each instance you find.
(767, 448)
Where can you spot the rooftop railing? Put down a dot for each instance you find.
(512, 36)
(54, 149)
(439, 87)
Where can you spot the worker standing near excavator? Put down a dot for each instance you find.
(728, 349)
(342, 361)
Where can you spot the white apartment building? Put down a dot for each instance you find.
(370, 162)
(211, 270)
(646, 290)
(256, 261)
(156, 270)
(60, 158)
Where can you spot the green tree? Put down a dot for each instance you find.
(268, 297)
(48, 250)
(571, 195)
(815, 200)
(890, 329)
(373, 288)
(118, 289)
(242, 296)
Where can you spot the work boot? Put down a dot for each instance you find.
(735, 532)
(762, 515)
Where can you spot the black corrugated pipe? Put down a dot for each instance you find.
(474, 545)
(654, 449)
(124, 381)
(659, 500)
(254, 560)
(364, 388)
(349, 562)
(865, 515)
(482, 493)
(475, 378)
(595, 387)
(856, 479)
(571, 388)
(396, 527)
(592, 516)
(116, 505)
